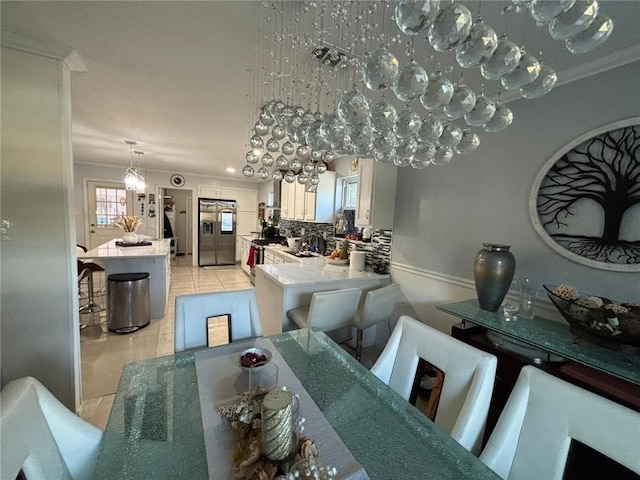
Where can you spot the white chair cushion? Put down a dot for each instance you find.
(328, 310)
(532, 437)
(192, 311)
(469, 374)
(378, 306)
(42, 437)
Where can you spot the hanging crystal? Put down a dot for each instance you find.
(267, 160)
(541, 85)
(260, 128)
(247, 171)
(353, 108)
(302, 152)
(407, 124)
(503, 61)
(380, 69)
(451, 135)
(315, 155)
(302, 178)
(295, 164)
(469, 142)
(575, 20)
(500, 120)
(276, 175)
(478, 47)
(361, 137)
(412, 17)
(332, 128)
(382, 157)
(282, 162)
(290, 177)
(383, 116)
(592, 37)
(462, 101)
(256, 141)
(314, 139)
(278, 132)
(288, 148)
(545, 10)
(266, 118)
(450, 28)
(430, 130)
(273, 145)
(308, 166)
(481, 113)
(402, 161)
(443, 155)
(406, 147)
(385, 141)
(410, 82)
(328, 156)
(424, 152)
(321, 167)
(438, 91)
(263, 173)
(418, 164)
(526, 72)
(252, 156)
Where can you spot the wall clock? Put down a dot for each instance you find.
(177, 180)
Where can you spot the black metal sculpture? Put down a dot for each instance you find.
(604, 170)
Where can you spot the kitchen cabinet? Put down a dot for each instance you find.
(245, 247)
(376, 194)
(307, 206)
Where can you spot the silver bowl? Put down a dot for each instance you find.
(256, 351)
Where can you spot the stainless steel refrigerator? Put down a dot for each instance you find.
(217, 232)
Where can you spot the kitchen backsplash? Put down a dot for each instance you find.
(378, 250)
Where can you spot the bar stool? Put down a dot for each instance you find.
(91, 306)
(378, 306)
(328, 310)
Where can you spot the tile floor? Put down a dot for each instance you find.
(104, 354)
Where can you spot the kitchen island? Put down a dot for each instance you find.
(282, 287)
(152, 259)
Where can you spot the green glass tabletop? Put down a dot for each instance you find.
(155, 427)
(554, 337)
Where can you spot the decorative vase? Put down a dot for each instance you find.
(493, 272)
(129, 237)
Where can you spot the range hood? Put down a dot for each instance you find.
(274, 200)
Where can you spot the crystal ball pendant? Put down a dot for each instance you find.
(380, 69)
(410, 82)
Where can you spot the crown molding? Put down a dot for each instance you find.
(67, 55)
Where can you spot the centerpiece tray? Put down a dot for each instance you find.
(137, 244)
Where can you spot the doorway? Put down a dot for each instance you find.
(107, 201)
(177, 218)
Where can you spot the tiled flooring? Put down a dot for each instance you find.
(103, 354)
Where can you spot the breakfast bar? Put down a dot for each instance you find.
(152, 259)
(282, 287)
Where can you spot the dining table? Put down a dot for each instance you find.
(164, 425)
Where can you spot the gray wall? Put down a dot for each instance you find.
(40, 323)
(444, 214)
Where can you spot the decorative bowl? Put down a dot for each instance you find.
(253, 359)
(597, 317)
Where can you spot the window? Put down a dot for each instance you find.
(350, 193)
(111, 204)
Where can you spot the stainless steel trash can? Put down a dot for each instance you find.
(128, 302)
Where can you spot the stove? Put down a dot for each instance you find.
(267, 241)
(258, 244)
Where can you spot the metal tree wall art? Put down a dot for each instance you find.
(588, 201)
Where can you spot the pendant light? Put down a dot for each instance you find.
(133, 179)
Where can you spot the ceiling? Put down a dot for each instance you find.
(180, 77)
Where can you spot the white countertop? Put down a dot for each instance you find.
(158, 248)
(291, 274)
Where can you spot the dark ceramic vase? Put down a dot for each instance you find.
(493, 272)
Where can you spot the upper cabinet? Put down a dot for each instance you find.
(247, 210)
(318, 207)
(376, 194)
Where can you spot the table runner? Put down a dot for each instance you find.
(220, 378)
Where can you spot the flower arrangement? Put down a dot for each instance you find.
(128, 223)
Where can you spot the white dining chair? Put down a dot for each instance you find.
(328, 310)
(543, 414)
(377, 307)
(41, 437)
(192, 311)
(469, 374)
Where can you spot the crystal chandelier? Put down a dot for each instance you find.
(401, 112)
(133, 179)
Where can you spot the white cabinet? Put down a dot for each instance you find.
(310, 207)
(269, 257)
(245, 247)
(376, 194)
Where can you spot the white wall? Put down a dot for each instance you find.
(444, 214)
(40, 323)
(154, 179)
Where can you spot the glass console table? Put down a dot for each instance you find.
(155, 427)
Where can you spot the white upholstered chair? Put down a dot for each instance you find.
(469, 374)
(41, 437)
(328, 310)
(533, 435)
(377, 307)
(192, 312)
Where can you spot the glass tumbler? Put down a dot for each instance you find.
(528, 295)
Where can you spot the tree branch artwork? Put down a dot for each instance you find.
(601, 175)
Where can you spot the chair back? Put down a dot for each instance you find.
(41, 437)
(543, 414)
(192, 311)
(378, 306)
(469, 374)
(333, 309)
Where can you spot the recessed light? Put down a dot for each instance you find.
(231, 170)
